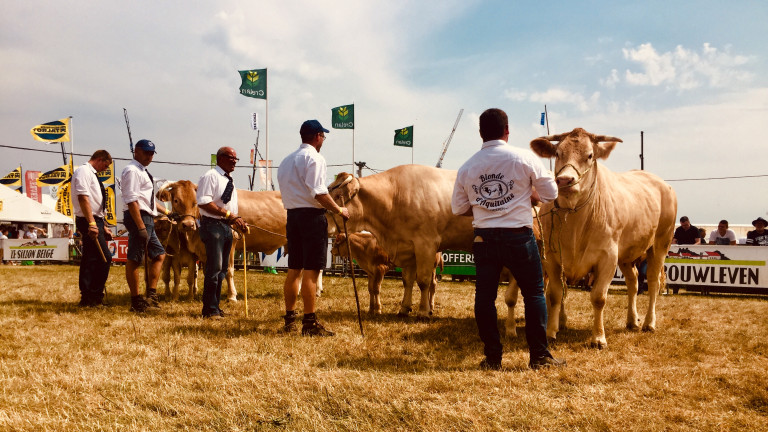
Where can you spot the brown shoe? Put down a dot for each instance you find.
(545, 362)
(138, 304)
(288, 327)
(314, 328)
(490, 364)
(153, 301)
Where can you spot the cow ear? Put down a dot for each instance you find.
(543, 147)
(604, 149)
(164, 193)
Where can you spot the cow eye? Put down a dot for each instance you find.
(590, 156)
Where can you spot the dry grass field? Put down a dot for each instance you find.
(63, 368)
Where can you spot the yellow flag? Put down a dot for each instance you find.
(54, 177)
(109, 215)
(55, 131)
(13, 178)
(108, 175)
(64, 201)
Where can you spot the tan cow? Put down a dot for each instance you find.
(177, 256)
(263, 211)
(601, 219)
(376, 263)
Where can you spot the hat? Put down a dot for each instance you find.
(312, 127)
(759, 219)
(146, 145)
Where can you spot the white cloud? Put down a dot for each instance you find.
(684, 69)
(562, 96)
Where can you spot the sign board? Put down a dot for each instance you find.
(118, 248)
(42, 249)
(279, 258)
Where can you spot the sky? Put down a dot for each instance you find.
(691, 76)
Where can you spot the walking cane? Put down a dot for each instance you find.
(103, 259)
(352, 270)
(245, 273)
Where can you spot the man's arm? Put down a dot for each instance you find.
(233, 218)
(85, 206)
(327, 202)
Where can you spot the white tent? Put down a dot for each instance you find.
(15, 207)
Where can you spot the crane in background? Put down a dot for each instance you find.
(448, 141)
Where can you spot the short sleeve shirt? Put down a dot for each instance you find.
(301, 177)
(136, 186)
(686, 237)
(210, 188)
(85, 182)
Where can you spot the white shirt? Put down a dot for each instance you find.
(496, 184)
(85, 182)
(729, 236)
(301, 177)
(135, 186)
(210, 188)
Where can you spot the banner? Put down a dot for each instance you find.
(33, 190)
(404, 137)
(12, 179)
(55, 131)
(254, 83)
(255, 121)
(118, 248)
(43, 249)
(343, 117)
(213, 161)
(108, 175)
(64, 200)
(110, 216)
(265, 172)
(54, 177)
(542, 118)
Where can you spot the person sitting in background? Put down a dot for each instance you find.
(4, 234)
(703, 235)
(65, 232)
(686, 234)
(722, 235)
(758, 236)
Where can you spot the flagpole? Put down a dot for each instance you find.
(71, 159)
(266, 132)
(353, 143)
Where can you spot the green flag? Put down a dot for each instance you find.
(213, 160)
(404, 137)
(343, 117)
(254, 83)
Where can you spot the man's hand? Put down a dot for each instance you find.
(345, 213)
(239, 224)
(93, 232)
(107, 234)
(143, 235)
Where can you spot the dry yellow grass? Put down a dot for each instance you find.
(65, 368)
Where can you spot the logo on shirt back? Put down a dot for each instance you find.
(494, 191)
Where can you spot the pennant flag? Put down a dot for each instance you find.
(13, 178)
(265, 172)
(255, 121)
(33, 190)
(109, 215)
(64, 199)
(404, 137)
(108, 175)
(343, 117)
(55, 131)
(542, 118)
(213, 160)
(54, 176)
(254, 83)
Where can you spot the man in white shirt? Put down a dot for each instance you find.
(301, 177)
(217, 201)
(495, 186)
(138, 192)
(89, 202)
(722, 235)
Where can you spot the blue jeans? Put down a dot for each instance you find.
(216, 236)
(517, 251)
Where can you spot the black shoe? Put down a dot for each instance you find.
(138, 304)
(222, 314)
(314, 328)
(490, 364)
(545, 362)
(153, 301)
(212, 316)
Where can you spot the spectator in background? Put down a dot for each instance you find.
(758, 236)
(32, 232)
(722, 235)
(686, 234)
(4, 234)
(703, 235)
(65, 232)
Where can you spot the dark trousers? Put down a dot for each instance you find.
(216, 236)
(515, 249)
(93, 270)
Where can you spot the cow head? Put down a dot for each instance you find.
(163, 228)
(344, 188)
(183, 197)
(339, 247)
(576, 154)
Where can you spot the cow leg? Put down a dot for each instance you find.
(554, 294)
(654, 275)
(232, 291)
(191, 279)
(165, 276)
(409, 277)
(176, 266)
(374, 291)
(319, 284)
(630, 277)
(510, 298)
(424, 277)
(432, 290)
(598, 296)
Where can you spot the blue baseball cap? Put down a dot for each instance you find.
(312, 127)
(146, 145)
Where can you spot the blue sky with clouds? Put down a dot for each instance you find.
(691, 75)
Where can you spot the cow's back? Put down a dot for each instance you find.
(264, 211)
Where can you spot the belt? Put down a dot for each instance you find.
(94, 217)
(310, 210)
(212, 219)
(518, 230)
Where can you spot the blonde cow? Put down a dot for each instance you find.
(601, 219)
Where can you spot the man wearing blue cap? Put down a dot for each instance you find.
(301, 177)
(138, 192)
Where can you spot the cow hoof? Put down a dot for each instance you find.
(510, 333)
(232, 299)
(598, 344)
(422, 318)
(633, 327)
(551, 341)
(649, 329)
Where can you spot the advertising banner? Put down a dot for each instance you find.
(279, 258)
(44, 249)
(33, 190)
(118, 248)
